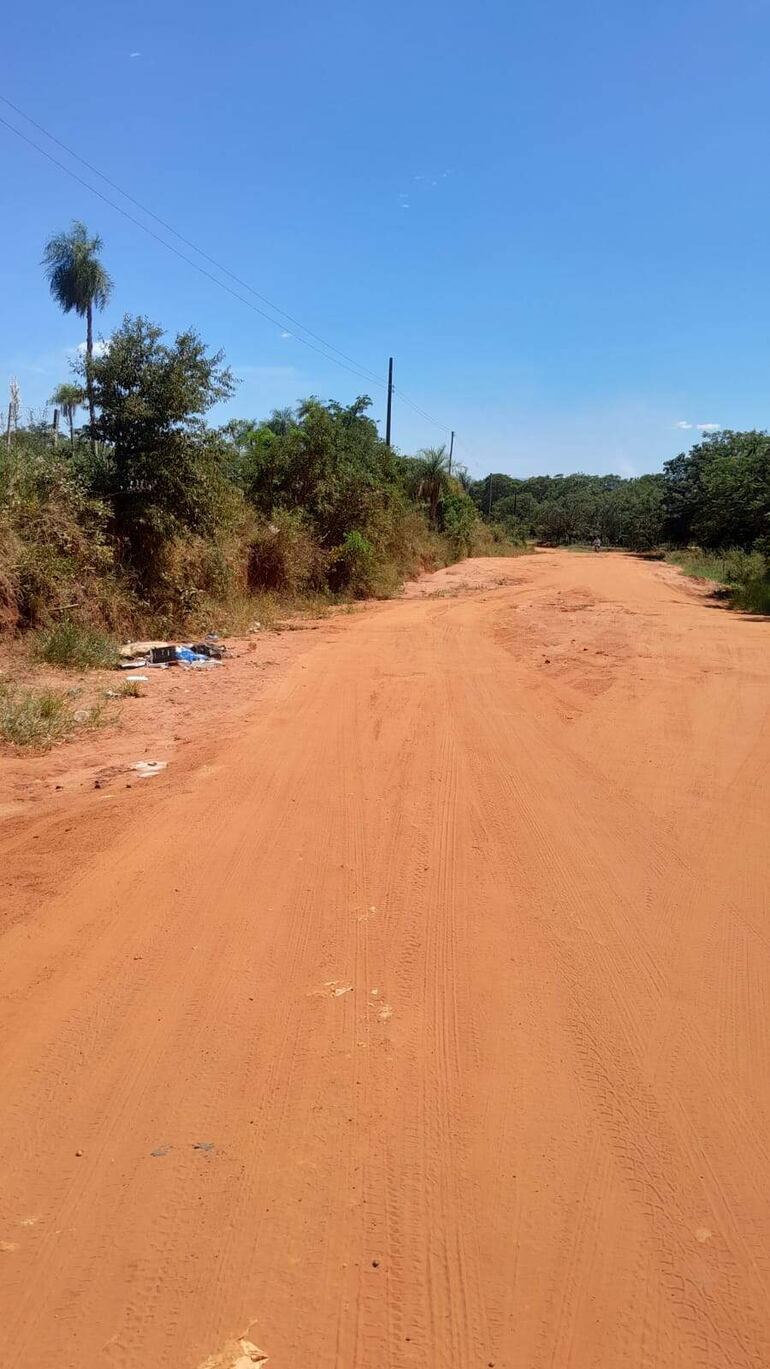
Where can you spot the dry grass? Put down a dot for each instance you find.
(40, 717)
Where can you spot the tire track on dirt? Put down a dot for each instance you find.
(542, 1141)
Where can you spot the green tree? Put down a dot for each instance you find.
(68, 398)
(325, 459)
(718, 493)
(79, 282)
(162, 468)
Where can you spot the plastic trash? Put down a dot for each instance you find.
(160, 655)
(208, 648)
(188, 656)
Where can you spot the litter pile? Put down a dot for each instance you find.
(161, 655)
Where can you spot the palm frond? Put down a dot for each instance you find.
(76, 277)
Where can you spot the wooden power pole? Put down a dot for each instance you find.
(390, 402)
(451, 450)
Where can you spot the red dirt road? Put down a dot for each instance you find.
(457, 960)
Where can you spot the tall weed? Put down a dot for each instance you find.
(75, 647)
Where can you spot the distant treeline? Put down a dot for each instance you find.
(717, 496)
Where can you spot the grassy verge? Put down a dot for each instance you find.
(744, 576)
(38, 718)
(75, 647)
(491, 539)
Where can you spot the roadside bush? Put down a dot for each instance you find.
(353, 566)
(458, 518)
(403, 545)
(492, 539)
(9, 579)
(414, 546)
(284, 556)
(194, 575)
(56, 559)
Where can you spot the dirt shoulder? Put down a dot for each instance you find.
(86, 788)
(180, 712)
(415, 1015)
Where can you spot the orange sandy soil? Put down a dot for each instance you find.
(445, 935)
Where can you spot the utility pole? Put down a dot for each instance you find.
(55, 427)
(14, 408)
(390, 401)
(489, 497)
(451, 449)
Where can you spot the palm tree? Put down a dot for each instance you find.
(433, 477)
(68, 398)
(78, 282)
(281, 420)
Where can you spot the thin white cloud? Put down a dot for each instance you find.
(101, 347)
(702, 427)
(405, 206)
(287, 334)
(134, 54)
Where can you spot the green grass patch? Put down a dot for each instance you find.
(753, 597)
(41, 717)
(744, 575)
(73, 647)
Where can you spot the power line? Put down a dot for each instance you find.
(187, 241)
(347, 362)
(470, 458)
(170, 246)
(406, 400)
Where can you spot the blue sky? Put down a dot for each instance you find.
(554, 215)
